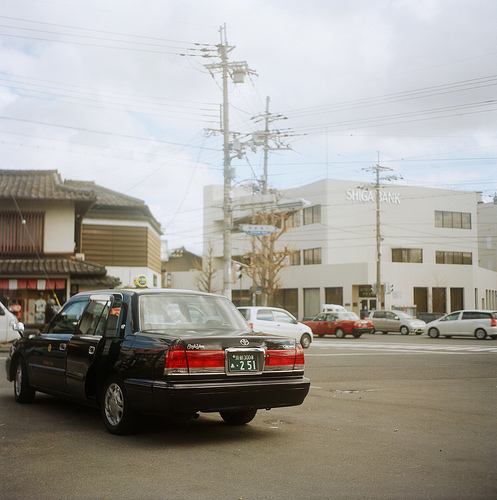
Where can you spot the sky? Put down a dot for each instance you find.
(120, 93)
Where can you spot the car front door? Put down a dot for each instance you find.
(318, 325)
(449, 324)
(46, 352)
(286, 324)
(392, 323)
(98, 324)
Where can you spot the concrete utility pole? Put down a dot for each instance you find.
(378, 238)
(263, 138)
(380, 293)
(237, 71)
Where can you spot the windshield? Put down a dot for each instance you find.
(402, 314)
(191, 314)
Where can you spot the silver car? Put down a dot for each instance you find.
(396, 321)
(479, 324)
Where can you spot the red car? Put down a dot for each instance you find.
(339, 324)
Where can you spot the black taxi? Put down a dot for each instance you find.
(173, 352)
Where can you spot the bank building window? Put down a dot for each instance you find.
(311, 215)
(413, 255)
(464, 258)
(312, 256)
(456, 220)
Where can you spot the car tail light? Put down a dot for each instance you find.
(493, 322)
(176, 362)
(205, 361)
(179, 361)
(251, 325)
(285, 359)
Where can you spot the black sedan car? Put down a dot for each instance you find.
(171, 352)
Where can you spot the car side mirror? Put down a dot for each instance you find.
(18, 327)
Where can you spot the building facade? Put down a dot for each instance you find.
(61, 237)
(437, 248)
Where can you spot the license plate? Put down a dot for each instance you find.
(242, 362)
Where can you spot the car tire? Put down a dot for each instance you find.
(404, 330)
(238, 417)
(481, 334)
(340, 334)
(433, 333)
(305, 340)
(119, 418)
(23, 392)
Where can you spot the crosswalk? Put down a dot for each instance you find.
(336, 347)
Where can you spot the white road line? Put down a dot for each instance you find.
(404, 348)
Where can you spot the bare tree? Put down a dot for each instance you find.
(266, 259)
(206, 270)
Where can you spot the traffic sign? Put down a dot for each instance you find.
(258, 229)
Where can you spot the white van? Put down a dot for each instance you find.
(7, 322)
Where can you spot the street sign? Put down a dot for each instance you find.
(258, 229)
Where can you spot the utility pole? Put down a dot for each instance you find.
(237, 71)
(268, 135)
(378, 237)
(380, 293)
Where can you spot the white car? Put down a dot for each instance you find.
(277, 321)
(479, 324)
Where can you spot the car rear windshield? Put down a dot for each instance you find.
(195, 314)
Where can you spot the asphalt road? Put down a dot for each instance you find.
(387, 417)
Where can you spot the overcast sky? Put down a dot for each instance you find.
(118, 92)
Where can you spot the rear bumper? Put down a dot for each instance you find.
(187, 397)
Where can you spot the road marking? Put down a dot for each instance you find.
(402, 348)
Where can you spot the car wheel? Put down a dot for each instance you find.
(119, 417)
(433, 333)
(238, 417)
(305, 340)
(340, 333)
(481, 334)
(404, 330)
(23, 392)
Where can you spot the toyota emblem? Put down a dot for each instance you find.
(244, 342)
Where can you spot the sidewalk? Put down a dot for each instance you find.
(5, 346)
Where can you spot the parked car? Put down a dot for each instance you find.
(479, 324)
(162, 351)
(277, 321)
(339, 324)
(428, 317)
(395, 321)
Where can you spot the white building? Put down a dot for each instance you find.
(438, 247)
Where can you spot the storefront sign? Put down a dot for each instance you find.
(366, 195)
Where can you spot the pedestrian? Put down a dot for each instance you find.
(50, 311)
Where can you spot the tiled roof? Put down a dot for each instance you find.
(106, 196)
(39, 185)
(52, 267)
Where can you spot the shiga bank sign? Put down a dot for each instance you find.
(368, 195)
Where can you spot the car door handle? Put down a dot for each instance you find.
(91, 349)
(62, 347)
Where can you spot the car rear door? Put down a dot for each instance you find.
(99, 323)
(46, 352)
